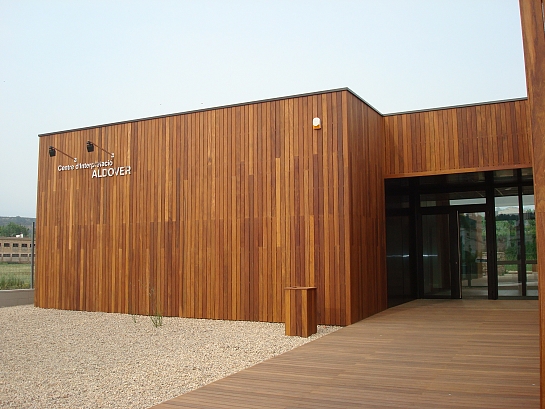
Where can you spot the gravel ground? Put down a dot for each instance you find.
(73, 359)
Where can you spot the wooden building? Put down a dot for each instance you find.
(212, 213)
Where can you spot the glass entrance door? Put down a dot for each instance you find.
(467, 235)
(454, 253)
(472, 253)
(516, 243)
(436, 255)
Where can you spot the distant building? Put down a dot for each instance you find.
(16, 249)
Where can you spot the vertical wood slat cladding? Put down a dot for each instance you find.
(533, 34)
(223, 209)
(490, 136)
(365, 205)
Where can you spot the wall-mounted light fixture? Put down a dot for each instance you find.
(91, 148)
(53, 152)
(316, 123)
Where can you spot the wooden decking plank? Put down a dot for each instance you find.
(424, 354)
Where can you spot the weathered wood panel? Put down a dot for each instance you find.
(533, 34)
(223, 209)
(480, 137)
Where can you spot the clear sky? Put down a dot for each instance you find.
(70, 64)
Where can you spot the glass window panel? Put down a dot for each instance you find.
(529, 216)
(436, 255)
(398, 262)
(531, 280)
(465, 178)
(527, 174)
(508, 242)
(508, 204)
(409, 290)
(511, 191)
(507, 229)
(452, 199)
(434, 199)
(453, 179)
(473, 260)
(397, 202)
(439, 180)
(529, 192)
(509, 284)
(509, 175)
(459, 202)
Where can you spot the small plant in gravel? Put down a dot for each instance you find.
(156, 317)
(156, 320)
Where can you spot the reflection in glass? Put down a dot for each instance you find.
(436, 255)
(452, 198)
(507, 175)
(509, 284)
(473, 263)
(508, 246)
(530, 245)
(527, 174)
(454, 179)
(398, 261)
(531, 280)
(397, 202)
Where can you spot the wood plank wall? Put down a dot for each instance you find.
(222, 210)
(533, 35)
(480, 137)
(365, 131)
(226, 207)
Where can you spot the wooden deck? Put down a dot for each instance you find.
(424, 354)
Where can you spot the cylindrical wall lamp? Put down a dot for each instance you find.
(91, 148)
(53, 152)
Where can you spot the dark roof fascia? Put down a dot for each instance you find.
(211, 109)
(364, 101)
(279, 99)
(456, 106)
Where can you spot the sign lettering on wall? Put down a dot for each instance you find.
(100, 169)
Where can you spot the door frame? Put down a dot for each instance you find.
(454, 247)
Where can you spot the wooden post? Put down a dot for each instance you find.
(533, 35)
(300, 311)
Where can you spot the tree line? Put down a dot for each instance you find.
(11, 230)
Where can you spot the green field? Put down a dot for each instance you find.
(14, 276)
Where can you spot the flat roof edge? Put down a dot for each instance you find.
(210, 109)
(456, 106)
(279, 99)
